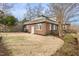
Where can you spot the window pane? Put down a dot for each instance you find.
(54, 27)
(38, 26)
(50, 26)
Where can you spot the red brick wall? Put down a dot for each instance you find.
(42, 31)
(45, 29)
(28, 29)
(48, 31)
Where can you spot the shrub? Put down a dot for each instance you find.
(68, 37)
(69, 49)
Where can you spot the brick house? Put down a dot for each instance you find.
(41, 25)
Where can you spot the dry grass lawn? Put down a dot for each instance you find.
(26, 44)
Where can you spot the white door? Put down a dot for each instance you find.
(32, 29)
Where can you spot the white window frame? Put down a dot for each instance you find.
(27, 27)
(38, 26)
(54, 27)
(50, 26)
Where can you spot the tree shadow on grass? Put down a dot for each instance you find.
(3, 49)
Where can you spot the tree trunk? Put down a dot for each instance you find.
(60, 30)
(60, 25)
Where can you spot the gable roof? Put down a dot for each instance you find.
(41, 19)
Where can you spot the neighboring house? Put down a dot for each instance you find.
(41, 25)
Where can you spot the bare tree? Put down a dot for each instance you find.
(1, 13)
(39, 10)
(5, 7)
(29, 13)
(63, 13)
(34, 10)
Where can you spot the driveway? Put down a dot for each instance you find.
(31, 45)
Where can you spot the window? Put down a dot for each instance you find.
(26, 27)
(54, 27)
(38, 26)
(50, 26)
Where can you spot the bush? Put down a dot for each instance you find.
(68, 38)
(69, 49)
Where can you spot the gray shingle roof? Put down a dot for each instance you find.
(41, 19)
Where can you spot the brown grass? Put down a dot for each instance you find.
(29, 44)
